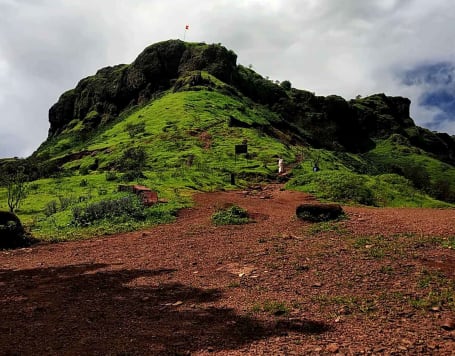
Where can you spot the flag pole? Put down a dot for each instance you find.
(184, 33)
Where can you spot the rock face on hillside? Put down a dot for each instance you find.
(100, 97)
(327, 122)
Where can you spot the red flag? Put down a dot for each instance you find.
(187, 27)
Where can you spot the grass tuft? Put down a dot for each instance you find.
(233, 215)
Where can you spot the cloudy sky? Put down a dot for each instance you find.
(349, 48)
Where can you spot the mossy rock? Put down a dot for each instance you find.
(319, 212)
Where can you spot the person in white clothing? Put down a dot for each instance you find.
(280, 166)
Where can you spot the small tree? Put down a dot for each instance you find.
(286, 85)
(17, 187)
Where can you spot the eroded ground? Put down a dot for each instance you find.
(379, 282)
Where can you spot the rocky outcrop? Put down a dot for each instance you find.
(327, 122)
(101, 97)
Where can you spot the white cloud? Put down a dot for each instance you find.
(330, 47)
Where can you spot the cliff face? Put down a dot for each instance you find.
(101, 97)
(327, 122)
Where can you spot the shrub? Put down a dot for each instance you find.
(65, 202)
(233, 215)
(442, 190)
(111, 176)
(286, 85)
(418, 176)
(350, 188)
(125, 208)
(50, 208)
(135, 129)
(133, 159)
(132, 176)
(338, 186)
(83, 171)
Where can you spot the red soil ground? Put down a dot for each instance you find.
(379, 282)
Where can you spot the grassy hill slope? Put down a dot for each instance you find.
(187, 141)
(181, 138)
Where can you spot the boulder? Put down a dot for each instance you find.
(12, 234)
(316, 212)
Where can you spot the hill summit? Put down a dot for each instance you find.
(301, 117)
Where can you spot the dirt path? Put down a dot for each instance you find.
(379, 282)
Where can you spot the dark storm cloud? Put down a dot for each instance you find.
(436, 82)
(432, 74)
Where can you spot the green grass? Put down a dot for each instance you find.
(340, 178)
(327, 226)
(273, 307)
(434, 290)
(189, 131)
(233, 215)
(449, 242)
(69, 189)
(189, 146)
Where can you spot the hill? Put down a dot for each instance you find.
(326, 122)
(171, 120)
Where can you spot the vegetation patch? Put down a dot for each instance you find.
(434, 290)
(273, 307)
(449, 242)
(128, 207)
(377, 178)
(232, 215)
(327, 226)
(376, 247)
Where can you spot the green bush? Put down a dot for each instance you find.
(443, 190)
(65, 202)
(135, 129)
(341, 187)
(133, 159)
(418, 176)
(233, 215)
(111, 176)
(131, 176)
(50, 208)
(125, 208)
(84, 171)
